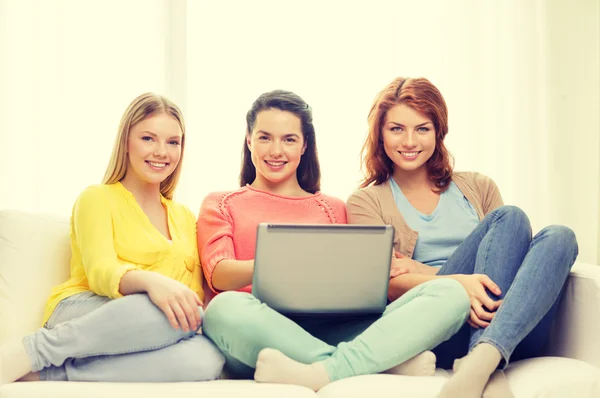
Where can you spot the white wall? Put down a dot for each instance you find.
(519, 77)
(572, 45)
(70, 68)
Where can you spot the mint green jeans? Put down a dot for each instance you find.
(241, 326)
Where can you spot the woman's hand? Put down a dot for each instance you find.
(177, 301)
(398, 268)
(483, 308)
(404, 265)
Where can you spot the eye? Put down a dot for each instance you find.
(147, 138)
(423, 129)
(263, 138)
(290, 139)
(174, 143)
(396, 128)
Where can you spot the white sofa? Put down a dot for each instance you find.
(34, 256)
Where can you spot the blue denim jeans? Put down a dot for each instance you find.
(93, 338)
(531, 274)
(242, 326)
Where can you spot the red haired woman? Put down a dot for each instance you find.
(454, 225)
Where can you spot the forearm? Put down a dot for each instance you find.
(403, 283)
(427, 270)
(136, 281)
(232, 274)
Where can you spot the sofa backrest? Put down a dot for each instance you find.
(35, 253)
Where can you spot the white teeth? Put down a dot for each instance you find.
(410, 154)
(157, 164)
(276, 164)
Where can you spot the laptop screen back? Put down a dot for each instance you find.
(323, 269)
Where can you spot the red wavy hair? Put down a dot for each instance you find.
(421, 95)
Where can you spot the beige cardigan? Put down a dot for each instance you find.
(375, 205)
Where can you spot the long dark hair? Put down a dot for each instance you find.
(309, 171)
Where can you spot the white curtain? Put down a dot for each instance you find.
(521, 79)
(69, 70)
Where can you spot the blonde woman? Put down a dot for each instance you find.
(133, 303)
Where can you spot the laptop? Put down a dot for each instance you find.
(339, 269)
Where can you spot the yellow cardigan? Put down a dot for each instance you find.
(111, 234)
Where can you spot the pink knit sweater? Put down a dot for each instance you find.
(228, 220)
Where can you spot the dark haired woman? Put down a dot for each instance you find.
(280, 182)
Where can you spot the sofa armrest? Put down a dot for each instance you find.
(35, 252)
(576, 330)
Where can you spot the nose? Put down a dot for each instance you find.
(160, 149)
(410, 139)
(275, 149)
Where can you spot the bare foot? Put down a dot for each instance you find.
(31, 376)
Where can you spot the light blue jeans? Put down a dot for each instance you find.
(531, 272)
(93, 338)
(242, 326)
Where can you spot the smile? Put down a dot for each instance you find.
(158, 165)
(275, 164)
(410, 155)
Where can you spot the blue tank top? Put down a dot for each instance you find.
(443, 230)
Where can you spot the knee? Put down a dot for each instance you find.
(564, 236)
(563, 239)
(139, 306)
(452, 294)
(140, 301)
(211, 368)
(226, 312)
(516, 215)
(206, 365)
(198, 359)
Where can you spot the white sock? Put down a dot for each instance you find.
(472, 373)
(273, 366)
(422, 364)
(497, 386)
(14, 362)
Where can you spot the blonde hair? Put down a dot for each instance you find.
(141, 108)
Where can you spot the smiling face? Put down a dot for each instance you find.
(276, 144)
(153, 149)
(408, 138)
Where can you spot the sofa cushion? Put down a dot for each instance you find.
(546, 377)
(553, 377)
(218, 388)
(34, 256)
(576, 330)
(385, 386)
